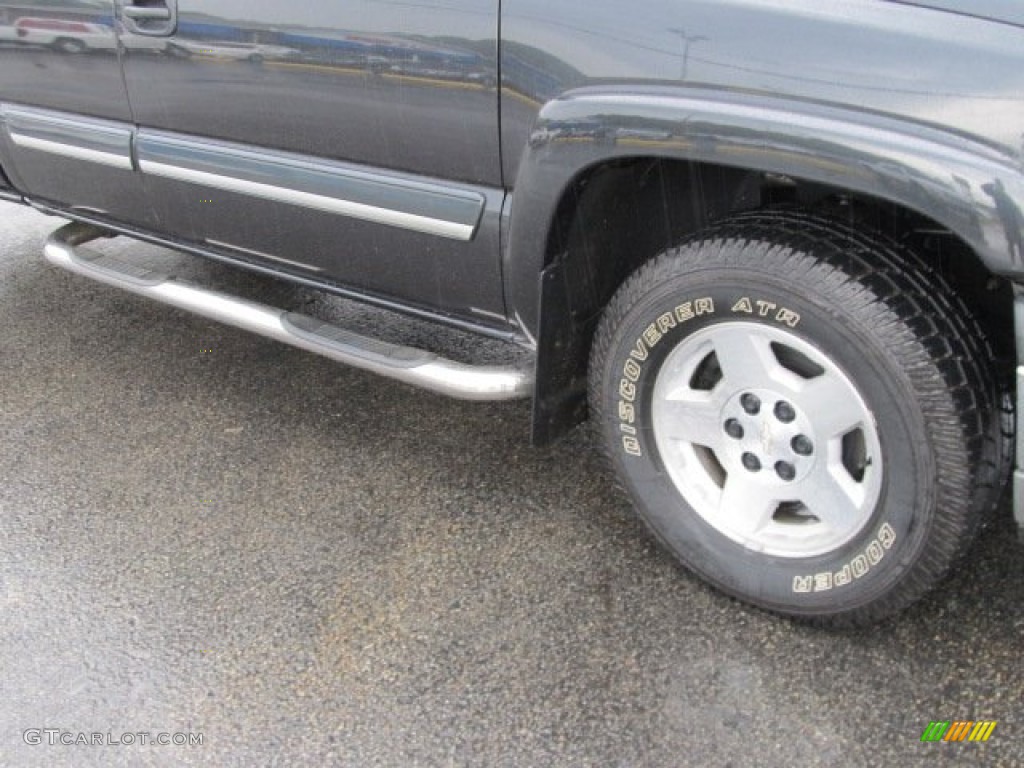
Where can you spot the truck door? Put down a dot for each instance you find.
(65, 125)
(349, 142)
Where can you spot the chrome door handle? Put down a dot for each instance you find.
(153, 18)
(144, 13)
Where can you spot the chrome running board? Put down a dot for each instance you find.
(413, 366)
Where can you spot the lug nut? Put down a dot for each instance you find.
(751, 404)
(784, 412)
(786, 471)
(734, 429)
(751, 462)
(802, 445)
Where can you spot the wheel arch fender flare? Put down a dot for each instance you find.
(972, 188)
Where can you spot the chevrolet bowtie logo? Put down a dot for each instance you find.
(766, 438)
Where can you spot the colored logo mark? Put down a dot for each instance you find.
(959, 730)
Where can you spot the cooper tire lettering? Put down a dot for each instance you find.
(666, 323)
(640, 352)
(788, 317)
(627, 413)
(632, 371)
(857, 568)
(766, 308)
(652, 335)
(860, 567)
(704, 307)
(743, 305)
(632, 446)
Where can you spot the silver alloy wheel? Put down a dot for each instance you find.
(767, 439)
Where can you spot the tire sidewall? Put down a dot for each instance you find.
(852, 575)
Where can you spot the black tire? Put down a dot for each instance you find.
(883, 322)
(178, 52)
(70, 45)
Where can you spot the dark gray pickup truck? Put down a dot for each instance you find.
(774, 250)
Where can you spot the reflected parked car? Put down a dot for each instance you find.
(65, 35)
(254, 52)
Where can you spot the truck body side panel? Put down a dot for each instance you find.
(332, 138)
(63, 98)
(913, 105)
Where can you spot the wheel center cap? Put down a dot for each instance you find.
(767, 437)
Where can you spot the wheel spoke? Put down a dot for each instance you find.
(746, 507)
(745, 357)
(691, 418)
(832, 405)
(835, 500)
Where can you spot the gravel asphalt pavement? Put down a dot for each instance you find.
(206, 532)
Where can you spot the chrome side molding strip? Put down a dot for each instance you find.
(412, 366)
(396, 200)
(354, 210)
(91, 140)
(72, 151)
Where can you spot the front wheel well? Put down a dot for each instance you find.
(618, 215)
